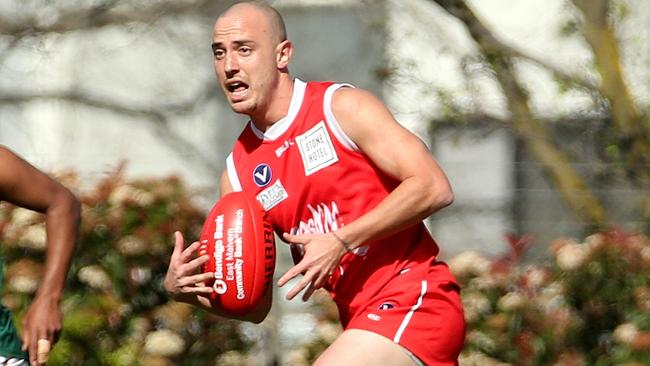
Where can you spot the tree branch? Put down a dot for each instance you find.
(159, 117)
(570, 185)
(107, 13)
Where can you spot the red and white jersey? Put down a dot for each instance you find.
(312, 178)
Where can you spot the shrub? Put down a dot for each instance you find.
(115, 309)
(588, 305)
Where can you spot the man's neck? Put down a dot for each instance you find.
(278, 104)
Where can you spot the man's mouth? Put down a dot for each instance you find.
(237, 89)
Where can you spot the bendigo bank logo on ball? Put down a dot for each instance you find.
(228, 262)
(241, 246)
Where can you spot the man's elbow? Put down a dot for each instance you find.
(70, 205)
(75, 205)
(440, 198)
(446, 198)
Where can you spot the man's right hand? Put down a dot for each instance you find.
(184, 280)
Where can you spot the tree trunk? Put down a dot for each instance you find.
(633, 129)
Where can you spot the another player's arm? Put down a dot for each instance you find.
(25, 186)
(424, 187)
(185, 285)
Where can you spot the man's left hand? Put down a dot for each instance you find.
(322, 254)
(43, 321)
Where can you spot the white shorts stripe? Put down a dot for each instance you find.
(232, 174)
(408, 316)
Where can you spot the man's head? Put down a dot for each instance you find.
(251, 54)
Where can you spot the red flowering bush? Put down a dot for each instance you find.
(588, 305)
(115, 309)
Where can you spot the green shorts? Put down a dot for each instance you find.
(10, 344)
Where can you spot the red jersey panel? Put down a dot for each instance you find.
(311, 178)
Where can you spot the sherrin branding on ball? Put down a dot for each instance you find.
(241, 246)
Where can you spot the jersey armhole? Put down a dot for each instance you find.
(232, 174)
(333, 124)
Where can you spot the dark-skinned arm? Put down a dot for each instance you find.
(25, 186)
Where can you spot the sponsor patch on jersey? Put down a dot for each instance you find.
(262, 175)
(316, 149)
(273, 195)
(374, 317)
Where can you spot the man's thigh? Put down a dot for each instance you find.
(363, 348)
(419, 313)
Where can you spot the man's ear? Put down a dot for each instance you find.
(283, 52)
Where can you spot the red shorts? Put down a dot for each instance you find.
(420, 312)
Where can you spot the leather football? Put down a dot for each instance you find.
(239, 241)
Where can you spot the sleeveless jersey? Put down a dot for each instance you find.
(310, 177)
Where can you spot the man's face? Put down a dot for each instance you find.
(245, 59)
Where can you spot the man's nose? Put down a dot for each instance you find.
(231, 65)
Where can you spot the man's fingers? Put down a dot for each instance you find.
(304, 282)
(295, 239)
(33, 350)
(287, 237)
(195, 279)
(25, 337)
(291, 273)
(309, 292)
(43, 350)
(188, 253)
(179, 243)
(197, 290)
(320, 280)
(317, 283)
(194, 264)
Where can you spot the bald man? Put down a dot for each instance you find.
(23, 185)
(347, 187)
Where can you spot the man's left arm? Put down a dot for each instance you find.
(25, 186)
(423, 188)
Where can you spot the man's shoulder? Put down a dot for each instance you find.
(315, 85)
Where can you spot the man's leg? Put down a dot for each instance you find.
(356, 347)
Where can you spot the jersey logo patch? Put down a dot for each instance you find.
(316, 149)
(273, 195)
(262, 175)
(280, 150)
